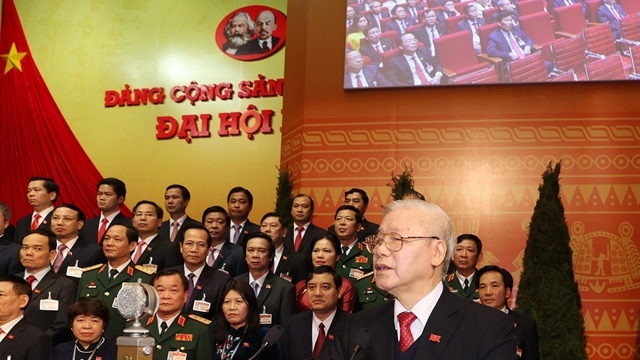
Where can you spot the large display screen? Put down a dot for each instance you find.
(406, 43)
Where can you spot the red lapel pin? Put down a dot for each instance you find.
(434, 338)
(330, 337)
(10, 336)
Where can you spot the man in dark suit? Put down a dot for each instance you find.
(473, 21)
(364, 6)
(495, 285)
(287, 264)
(42, 194)
(72, 252)
(508, 42)
(9, 260)
(307, 333)
(359, 199)
(611, 12)
(223, 254)
(377, 14)
(411, 253)
(412, 7)
(111, 195)
(265, 41)
(302, 231)
(466, 255)
(152, 251)
(506, 6)
(448, 10)
(51, 294)
(205, 282)
(400, 21)
(374, 46)
(276, 299)
(430, 31)
(176, 200)
(240, 203)
(356, 75)
(18, 338)
(413, 65)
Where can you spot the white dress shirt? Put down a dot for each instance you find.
(39, 276)
(315, 326)
(422, 310)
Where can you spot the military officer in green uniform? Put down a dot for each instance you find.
(466, 255)
(103, 281)
(370, 295)
(176, 332)
(355, 260)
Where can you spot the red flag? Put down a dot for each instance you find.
(37, 140)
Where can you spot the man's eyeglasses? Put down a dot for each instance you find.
(147, 214)
(200, 245)
(393, 241)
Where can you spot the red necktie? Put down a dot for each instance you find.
(359, 81)
(296, 245)
(35, 223)
(615, 13)
(406, 338)
(421, 74)
(31, 279)
(515, 46)
(379, 48)
(318, 346)
(103, 229)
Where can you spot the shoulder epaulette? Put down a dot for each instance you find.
(144, 270)
(364, 276)
(200, 319)
(93, 267)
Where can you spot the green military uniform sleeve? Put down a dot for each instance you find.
(357, 263)
(187, 334)
(370, 295)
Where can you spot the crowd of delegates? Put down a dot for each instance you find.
(223, 280)
(391, 43)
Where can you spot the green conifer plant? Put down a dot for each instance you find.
(401, 183)
(284, 190)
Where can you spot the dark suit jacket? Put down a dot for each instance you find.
(210, 283)
(248, 228)
(26, 342)
(400, 72)
(253, 47)
(91, 226)
(164, 253)
(392, 25)
(292, 265)
(165, 227)
(368, 228)
(605, 15)
(464, 24)
(418, 7)
(422, 35)
(465, 330)
(527, 332)
(296, 342)
(374, 21)
(9, 256)
(561, 3)
(276, 296)
(54, 323)
(231, 260)
(441, 16)
(368, 50)
(311, 233)
(371, 74)
(23, 226)
(86, 252)
(497, 45)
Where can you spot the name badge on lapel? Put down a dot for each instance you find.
(74, 271)
(286, 277)
(222, 268)
(151, 267)
(202, 305)
(49, 304)
(265, 319)
(176, 355)
(356, 273)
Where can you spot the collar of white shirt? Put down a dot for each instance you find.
(422, 310)
(6, 328)
(109, 218)
(180, 220)
(39, 275)
(197, 273)
(461, 278)
(119, 268)
(168, 321)
(69, 244)
(43, 214)
(149, 239)
(260, 280)
(315, 329)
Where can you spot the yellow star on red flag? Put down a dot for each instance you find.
(13, 59)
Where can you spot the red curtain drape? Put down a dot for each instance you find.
(36, 139)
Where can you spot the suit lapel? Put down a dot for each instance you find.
(265, 290)
(284, 261)
(440, 327)
(146, 254)
(383, 333)
(43, 285)
(13, 336)
(307, 323)
(75, 250)
(175, 327)
(224, 252)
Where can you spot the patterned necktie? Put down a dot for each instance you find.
(176, 227)
(36, 221)
(102, 230)
(406, 338)
(318, 346)
(60, 258)
(30, 280)
(296, 245)
(236, 234)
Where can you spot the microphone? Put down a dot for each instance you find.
(271, 337)
(362, 341)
